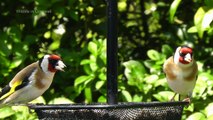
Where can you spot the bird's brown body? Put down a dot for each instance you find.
(181, 75)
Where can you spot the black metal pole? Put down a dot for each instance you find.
(112, 47)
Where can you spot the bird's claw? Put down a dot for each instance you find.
(187, 100)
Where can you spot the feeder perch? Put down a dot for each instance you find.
(112, 110)
(120, 111)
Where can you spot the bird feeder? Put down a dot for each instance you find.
(112, 110)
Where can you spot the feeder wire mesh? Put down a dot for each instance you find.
(120, 111)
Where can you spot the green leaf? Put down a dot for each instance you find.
(102, 76)
(93, 66)
(137, 98)
(6, 112)
(209, 3)
(151, 79)
(153, 55)
(15, 33)
(87, 69)
(47, 34)
(85, 61)
(173, 9)
(192, 29)
(102, 99)
(196, 116)
(149, 63)
(201, 84)
(17, 60)
(198, 18)
(164, 96)
(167, 50)
(207, 19)
(99, 84)
(82, 79)
(161, 82)
(209, 110)
(127, 95)
(134, 71)
(60, 100)
(210, 117)
(38, 100)
(4, 49)
(88, 94)
(93, 48)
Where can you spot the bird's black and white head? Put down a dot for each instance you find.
(184, 55)
(51, 63)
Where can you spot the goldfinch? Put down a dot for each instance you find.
(32, 81)
(181, 72)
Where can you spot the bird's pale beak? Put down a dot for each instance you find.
(188, 58)
(60, 66)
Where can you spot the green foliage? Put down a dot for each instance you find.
(95, 70)
(17, 113)
(173, 9)
(148, 33)
(202, 21)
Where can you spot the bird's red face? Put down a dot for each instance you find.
(185, 55)
(55, 63)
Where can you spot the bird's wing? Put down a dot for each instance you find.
(19, 81)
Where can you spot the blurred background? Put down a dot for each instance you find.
(149, 31)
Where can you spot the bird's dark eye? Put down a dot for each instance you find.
(53, 62)
(182, 54)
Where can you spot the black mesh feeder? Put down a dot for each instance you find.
(112, 110)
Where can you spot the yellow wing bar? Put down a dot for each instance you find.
(12, 89)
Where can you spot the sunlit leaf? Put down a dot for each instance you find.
(90, 9)
(198, 21)
(102, 76)
(149, 63)
(93, 66)
(47, 34)
(122, 6)
(82, 79)
(93, 48)
(209, 110)
(134, 71)
(173, 9)
(102, 99)
(137, 98)
(39, 100)
(192, 29)
(99, 84)
(207, 19)
(164, 96)
(151, 79)
(127, 95)
(85, 61)
(17, 60)
(55, 45)
(88, 94)
(87, 69)
(60, 100)
(6, 112)
(197, 116)
(201, 85)
(153, 54)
